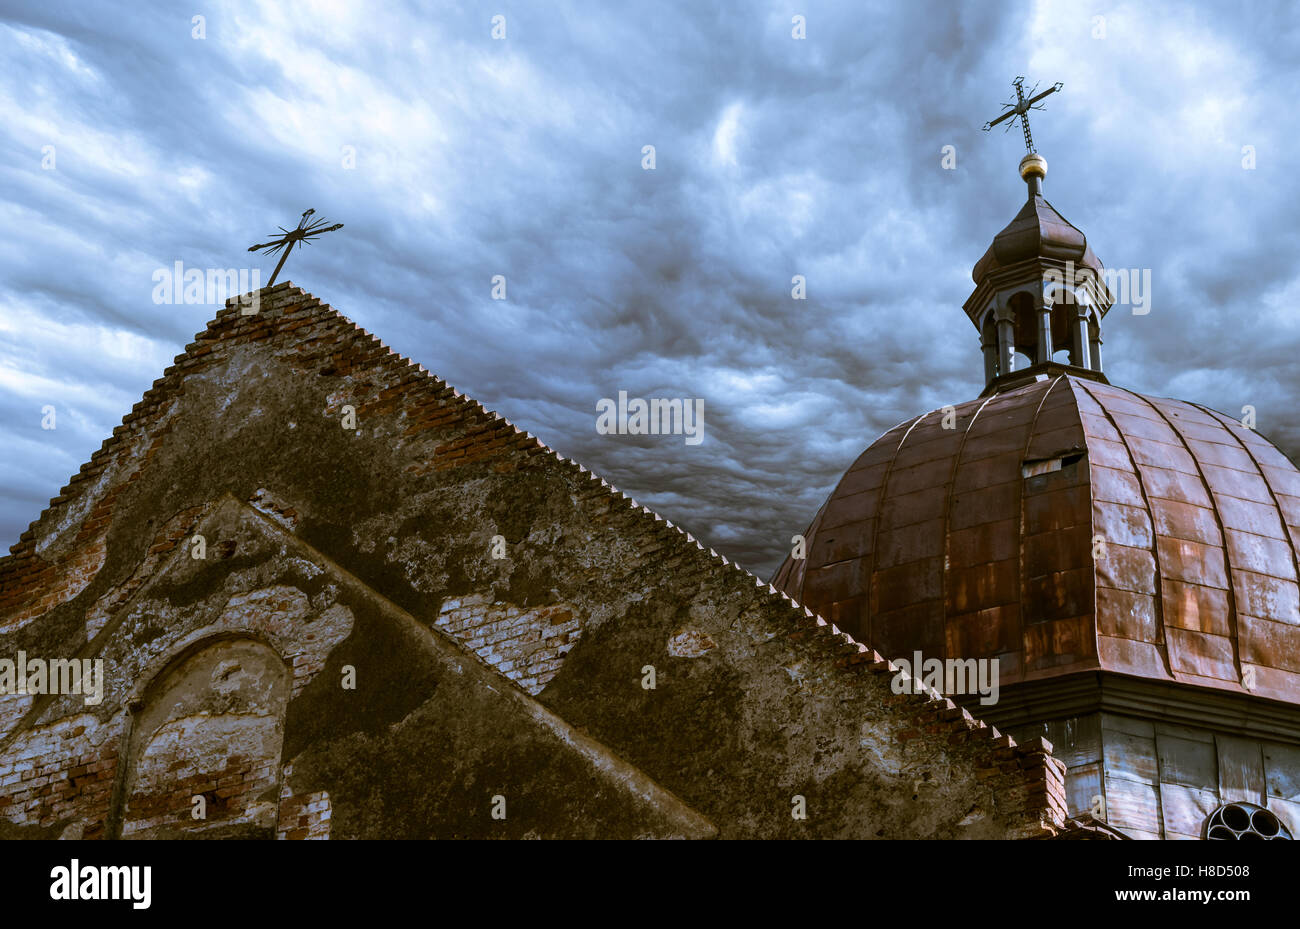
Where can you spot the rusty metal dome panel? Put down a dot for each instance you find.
(1038, 231)
(1064, 526)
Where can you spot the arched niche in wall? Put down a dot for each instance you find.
(209, 725)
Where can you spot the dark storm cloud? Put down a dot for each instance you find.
(522, 157)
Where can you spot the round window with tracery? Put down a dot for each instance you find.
(1242, 821)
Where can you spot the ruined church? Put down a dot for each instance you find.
(333, 597)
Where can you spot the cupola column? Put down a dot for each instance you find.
(1044, 333)
(1079, 338)
(1006, 338)
(989, 345)
(1094, 332)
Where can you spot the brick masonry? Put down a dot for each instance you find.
(303, 816)
(59, 776)
(527, 646)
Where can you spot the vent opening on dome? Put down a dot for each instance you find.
(1035, 466)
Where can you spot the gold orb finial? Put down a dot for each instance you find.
(1033, 164)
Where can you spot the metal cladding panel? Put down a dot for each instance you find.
(1052, 442)
(1282, 764)
(909, 629)
(1114, 486)
(1108, 453)
(1133, 807)
(1127, 612)
(906, 585)
(986, 632)
(840, 580)
(1249, 516)
(910, 543)
(925, 445)
(1194, 562)
(1236, 483)
(1259, 554)
(1186, 521)
(1055, 502)
(985, 505)
(927, 475)
(1223, 456)
(1280, 481)
(1054, 416)
(1059, 595)
(1068, 524)
(853, 540)
(850, 508)
(984, 473)
(1124, 567)
(1121, 524)
(1263, 640)
(1195, 608)
(1141, 428)
(1142, 659)
(994, 541)
(1064, 549)
(1241, 770)
(1279, 478)
(862, 479)
(978, 586)
(1187, 758)
(1167, 484)
(1184, 809)
(1266, 595)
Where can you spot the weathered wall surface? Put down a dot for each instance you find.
(1156, 780)
(443, 520)
(393, 732)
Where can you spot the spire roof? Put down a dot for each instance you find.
(1038, 231)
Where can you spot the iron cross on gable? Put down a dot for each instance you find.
(305, 232)
(1020, 109)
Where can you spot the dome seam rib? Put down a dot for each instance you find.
(1155, 545)
(875, 530)
(947, 512)
(1020, 532)
(1218, 521)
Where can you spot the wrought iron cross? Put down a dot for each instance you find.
(1020, 109)
(305, 232)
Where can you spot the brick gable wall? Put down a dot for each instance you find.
(782, 705)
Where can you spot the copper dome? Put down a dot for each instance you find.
(1064, 526)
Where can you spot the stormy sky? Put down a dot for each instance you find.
(133, 137)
